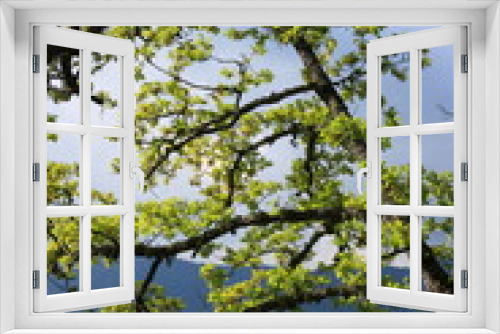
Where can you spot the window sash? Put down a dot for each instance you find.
(85, 298)
(413, 298)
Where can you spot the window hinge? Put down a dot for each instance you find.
(465, 63)
(465, 279)
(36, 279)
(464, 171)
(36, 172)
(36, 63)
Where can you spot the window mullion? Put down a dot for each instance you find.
(77, 129)
(434, 211)
(414, 170)
(433, 128)
(109, 210)
(86, 262)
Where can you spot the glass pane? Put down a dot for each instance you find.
(106, 88)
(63, 255)
(437, 169)
(63, 169)
(106, 169)
(63, 85)
(395, 251)
(437, 84)
(395, 171)
(395, 89)
(437, 254)
(105, 247)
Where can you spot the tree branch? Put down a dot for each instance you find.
(231, 226)
(225, 122)
(433, 271)
(287, 302)
(302, 255)
(436, 279)
(176, 77)
(325, 88)
(139, 299)
(310, 157)
(240, 154)
(316, 74)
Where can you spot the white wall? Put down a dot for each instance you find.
(7, 160)
(492, 163)
(279, 17)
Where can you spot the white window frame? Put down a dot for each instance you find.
(86, 297)
(484, 50)
(413, 44)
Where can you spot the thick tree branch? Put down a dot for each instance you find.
(433, 271)
(224, 122)
(287, 302)
(436, 279)
(232, 225)
(316, 74)
(325, 88)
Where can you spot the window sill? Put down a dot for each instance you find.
(252, 331)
